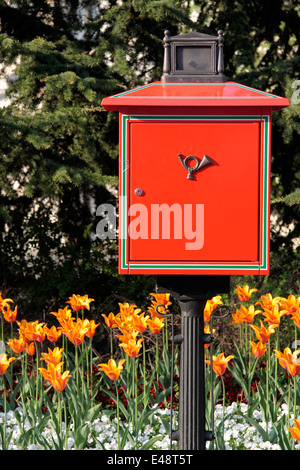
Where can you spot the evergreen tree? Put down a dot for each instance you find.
(262, 50)
(59, 148)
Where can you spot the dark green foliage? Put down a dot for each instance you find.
(262, 50)
(59, 148)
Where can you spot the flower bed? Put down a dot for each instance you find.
(68, 398)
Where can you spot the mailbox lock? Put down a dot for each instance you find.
(138, 192)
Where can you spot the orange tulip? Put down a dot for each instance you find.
(132, 347)
(10, 315)
(110, 320)
(127, 335)
(207, 332)
(126, 309)
(273, 315)
(159, 304)
(220, 363)
(267, 301)
(92, 328)
(244, 293)
(75, 330)
(79, 302)
(263, 334)
(295, 431)
(258, 349)
(4, 302)
(53, 333)
(32, 331)
(125, 325)
(153, 312)
(140, 322)
(289, 361)
(291, 305)
(296, 318)
(54, 376)
(111, 369)
(210, 306)
(156, 324)
(63, 314)
(17, 345)
(30, 348)
(244, 315)
(4, 363)
(162, 299)
(53, 357)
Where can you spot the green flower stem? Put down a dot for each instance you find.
(134, 389)
(37, 387)
(86, 348)
(111, 344)
(91, 365)
(2, 333)
(224, 395)
(66, 424)
(289, 399)
(166, 339)
(267, 384)
(246, 342)
(118, 414)
(59, 415)
(76, 366)
(144, 373)
(157, 358)
(295, 402)
(4, 427)
(276, 363)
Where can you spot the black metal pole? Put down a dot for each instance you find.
(192, 292)
(192, 380)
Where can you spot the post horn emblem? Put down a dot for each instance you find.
(199, 164)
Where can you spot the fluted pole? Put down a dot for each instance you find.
(192, 383)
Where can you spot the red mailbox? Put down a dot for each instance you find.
(194, 194)
(194, 177)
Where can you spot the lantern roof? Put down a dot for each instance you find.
(195, 95)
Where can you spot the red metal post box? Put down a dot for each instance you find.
(214, 220)
(195, 155)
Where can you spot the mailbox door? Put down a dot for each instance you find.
(208, 221)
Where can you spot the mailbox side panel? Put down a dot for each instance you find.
(123, 193)
(257, 257)
(265, 187)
